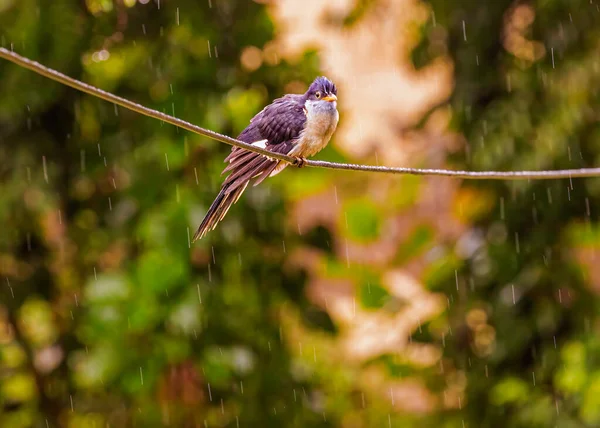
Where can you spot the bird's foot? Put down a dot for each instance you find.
(300, 161)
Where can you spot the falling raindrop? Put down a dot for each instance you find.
(587, 207)
(45, 169)
(347, 255)
(12, 293)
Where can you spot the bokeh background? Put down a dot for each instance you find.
(326, 298)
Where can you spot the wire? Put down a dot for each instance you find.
(107, 96)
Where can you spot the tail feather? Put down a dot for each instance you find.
(218, 210)
(267, 172)
(243, 167)
(238, 161)
(246, 173)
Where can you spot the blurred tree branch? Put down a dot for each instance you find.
(107, 96)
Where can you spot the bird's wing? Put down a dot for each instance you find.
(281, 121)
(276, 129)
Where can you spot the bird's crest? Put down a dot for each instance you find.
(324, 85)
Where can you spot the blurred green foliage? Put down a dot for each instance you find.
(110, 318)
(98, 201)
(526, 97)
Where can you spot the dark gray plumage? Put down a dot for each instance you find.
(296, 125)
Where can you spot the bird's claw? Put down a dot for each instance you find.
(300, 161)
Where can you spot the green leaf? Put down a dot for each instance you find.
(510, 390)
(373, 296)
(416, 243)
(107, 289)
(160, 272)
(98, 366)
(363, 217)
(590, 408)
(18, 387)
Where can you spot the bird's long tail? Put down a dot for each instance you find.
(244, 166)
(224, 200)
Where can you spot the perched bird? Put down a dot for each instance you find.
(298, 125)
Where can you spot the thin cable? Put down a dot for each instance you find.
(469, 175)
(107, 96)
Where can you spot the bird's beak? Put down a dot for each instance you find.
(330, 98)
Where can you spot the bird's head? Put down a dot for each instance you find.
(322, 89)
(321, 98)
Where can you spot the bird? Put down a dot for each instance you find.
(297, 125)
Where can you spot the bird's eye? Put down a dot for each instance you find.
(318, 94)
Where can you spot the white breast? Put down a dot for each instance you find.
(321, 121)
